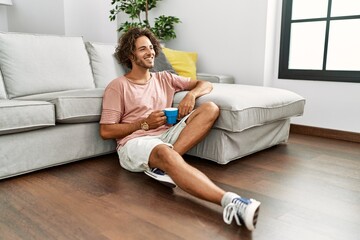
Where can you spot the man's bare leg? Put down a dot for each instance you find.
(199, 124)
(194, 181)
(185, 176)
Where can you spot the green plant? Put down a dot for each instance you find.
(164, 26)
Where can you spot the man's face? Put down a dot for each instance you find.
(144, 54)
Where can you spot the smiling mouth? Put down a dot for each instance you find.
(150, 56)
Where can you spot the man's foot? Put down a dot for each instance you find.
(245, 211)
(161, 176)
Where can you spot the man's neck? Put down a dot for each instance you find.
(138, 76)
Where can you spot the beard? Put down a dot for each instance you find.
(143, 63)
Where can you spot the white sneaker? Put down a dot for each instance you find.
(160, 176)
(245, 211)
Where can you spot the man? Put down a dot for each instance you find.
(132, 114)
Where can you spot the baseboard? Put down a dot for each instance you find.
(326, 133)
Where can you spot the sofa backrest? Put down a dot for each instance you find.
(33, 64)
(2, 87)
(104, 64)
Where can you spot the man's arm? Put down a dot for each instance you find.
(121, 130)
(196, 89)
(200, 87)
(118, 130)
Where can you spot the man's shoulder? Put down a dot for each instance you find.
(117, 82)
(163, 75)
(166, 76)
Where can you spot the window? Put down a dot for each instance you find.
(320, 40)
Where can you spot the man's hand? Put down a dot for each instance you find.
(156, 119)
(186, 105)
(197, 88)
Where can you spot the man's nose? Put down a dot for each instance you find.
(149, 51)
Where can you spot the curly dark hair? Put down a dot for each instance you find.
(126, 44)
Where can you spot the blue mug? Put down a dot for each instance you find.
(171, 115)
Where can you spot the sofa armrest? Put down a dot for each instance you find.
(215, 78)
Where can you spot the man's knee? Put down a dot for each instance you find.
(211, 110)
(162, 157)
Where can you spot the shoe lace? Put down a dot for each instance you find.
(235, 209)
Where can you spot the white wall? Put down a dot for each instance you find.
(90, 19)
(36, 16)
(228, 35)
(86, 18)
(240, 38)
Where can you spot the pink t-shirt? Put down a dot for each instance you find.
(127, 102)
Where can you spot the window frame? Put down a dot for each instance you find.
(303, 74)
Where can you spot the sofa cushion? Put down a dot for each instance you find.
(184, 63)
(162, 64)
(2, 87)
(104, 64)
(19, 116)
(74, 106)
(245, 106)
(33, 64)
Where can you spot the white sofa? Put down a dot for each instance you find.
(50, 102)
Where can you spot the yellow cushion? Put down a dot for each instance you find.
(184, 63)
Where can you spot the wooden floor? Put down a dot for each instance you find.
(309, 189)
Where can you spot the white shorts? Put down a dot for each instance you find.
(134, 155)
